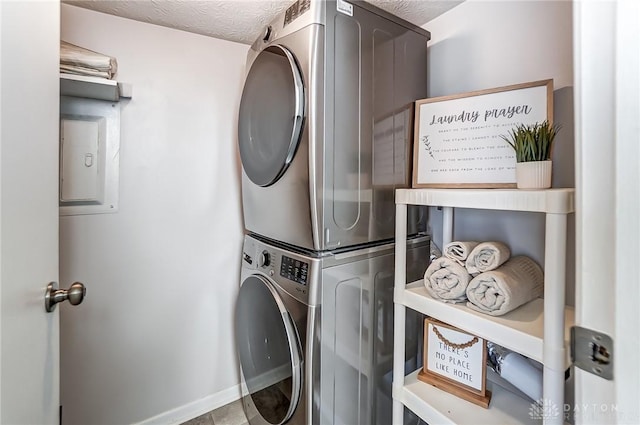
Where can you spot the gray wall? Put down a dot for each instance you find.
(153, 340)
(484, 44)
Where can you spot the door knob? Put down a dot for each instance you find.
(75, 294)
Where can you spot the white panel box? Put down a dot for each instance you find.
(89, 156)
(82, 160)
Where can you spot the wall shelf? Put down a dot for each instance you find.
(93, 88)
(445, 408)
(538, 329)
(519, 330)
(557, 201)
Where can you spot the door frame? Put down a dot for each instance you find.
(607, 108)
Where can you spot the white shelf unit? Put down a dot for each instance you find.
(93, 87)
(523, 330)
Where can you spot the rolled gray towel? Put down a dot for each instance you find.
(506, 288)
(487, 256)
(459, 250)
(446, 280)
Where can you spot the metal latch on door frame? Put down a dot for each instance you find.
(592, 351)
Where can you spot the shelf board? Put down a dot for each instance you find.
(93, 87)
(520, 330)
(435, 406)
(558, 201)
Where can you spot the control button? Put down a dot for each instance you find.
(265, 259)
(247, 258)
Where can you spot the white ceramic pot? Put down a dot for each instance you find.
(533, 175)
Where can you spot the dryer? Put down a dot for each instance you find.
(325, 124)
(314, 332)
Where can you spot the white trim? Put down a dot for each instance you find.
(194, 409)
(627, 245)
(608, 183)
(594, 103)
(1, 119)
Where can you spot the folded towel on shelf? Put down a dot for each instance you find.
(459, 250)
(81, 61)
(506, 288)
(446, 280)
(81, 70)
(487, 256)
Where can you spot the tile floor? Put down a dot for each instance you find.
(231, 414)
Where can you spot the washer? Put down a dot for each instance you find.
(325, 124)
(314, 333)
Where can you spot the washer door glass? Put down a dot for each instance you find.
(271, 115)
(269, 350)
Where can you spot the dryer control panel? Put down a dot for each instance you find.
(295, 270)
(255, 256)
(292, 272)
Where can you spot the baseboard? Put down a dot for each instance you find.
(194, 409)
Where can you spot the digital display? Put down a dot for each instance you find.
(295, 270)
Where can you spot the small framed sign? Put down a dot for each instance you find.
(457, 139)
(455, 361)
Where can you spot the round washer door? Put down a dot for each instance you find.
(271, 115)
(269, 350)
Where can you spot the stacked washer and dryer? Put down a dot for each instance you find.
(324, 134)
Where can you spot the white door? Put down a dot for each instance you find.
(607, 109)
(29, 346)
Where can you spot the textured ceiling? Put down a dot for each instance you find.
(239, 20)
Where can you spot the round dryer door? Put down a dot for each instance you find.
(269, 350)
(271, 115)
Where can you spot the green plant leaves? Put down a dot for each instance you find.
(532, 142)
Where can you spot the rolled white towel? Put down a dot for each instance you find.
(487, 256)
(459, 250)
(78, 59)
(506, 288)
(447, 280)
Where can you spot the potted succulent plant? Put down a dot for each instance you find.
(532, 144)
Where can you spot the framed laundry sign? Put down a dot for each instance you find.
(457, 139)
(455, 361)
